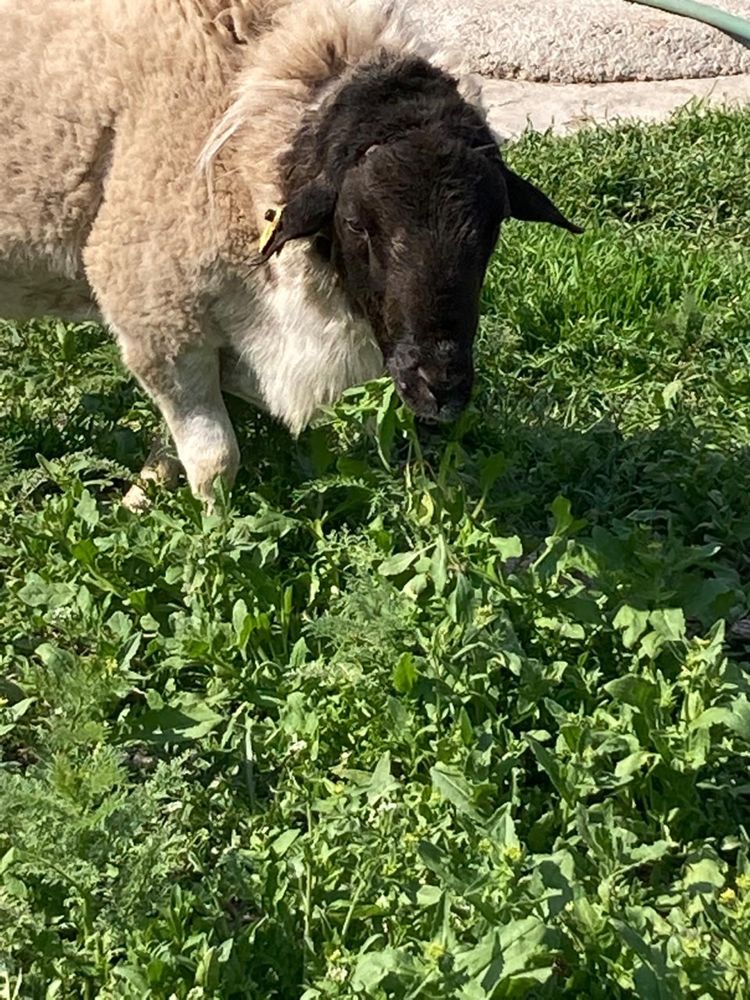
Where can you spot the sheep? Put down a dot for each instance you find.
(277, 199)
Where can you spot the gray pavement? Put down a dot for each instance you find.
(575, 41)
(562, 64)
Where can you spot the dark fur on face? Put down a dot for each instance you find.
(402, 184)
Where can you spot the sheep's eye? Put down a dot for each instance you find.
(356, 228)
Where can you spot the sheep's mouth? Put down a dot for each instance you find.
(431, 403)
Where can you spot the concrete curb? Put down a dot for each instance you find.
(515, 106)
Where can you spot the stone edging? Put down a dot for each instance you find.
(517, 105)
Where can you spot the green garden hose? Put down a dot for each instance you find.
(737, 27)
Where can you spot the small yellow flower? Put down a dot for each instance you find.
(513, 853)
(484, 615)
(433, 951)
(743, 882)
(728, 897)
(691, 945)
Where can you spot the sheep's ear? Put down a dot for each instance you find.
(309, 211)
(529, 204)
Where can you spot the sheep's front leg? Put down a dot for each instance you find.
(187, 390)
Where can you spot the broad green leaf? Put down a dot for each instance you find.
(565, 523)
(651, 976)
(461, 600)
(704, 875)
(382, 780)
(651, 852)
(670, 392)
(633, 623)
(632, 764)
(565, 629)
(385, 424)
(398, 564)
(283, 842)
(186, 722)
(474, 961)
(405, 674)
(633, 690)
(520, 942)
(270, 523)
(239, 617)
(436, 860)
(439, 566)
(561, 512)
(37, 593)
(372, 968)
(490, 471)
(416, 586)
(87, 510)
(517, 948)
(651, 985)
(7, 860)
(508, 548)
(669, 623)
(429, 895)
(299, 654)
(736, 718)
(450, 783)
(503, 827)
(55, 658)
(148, 623)
(465, 727)
(20, 708)
(553, 768)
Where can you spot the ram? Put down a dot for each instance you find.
(271, 198)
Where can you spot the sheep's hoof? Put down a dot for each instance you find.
(161, 467)
(136, 500)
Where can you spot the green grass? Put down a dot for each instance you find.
(458, 717)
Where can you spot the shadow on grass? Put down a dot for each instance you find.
(95, 424)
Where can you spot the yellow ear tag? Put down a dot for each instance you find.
(273, 218)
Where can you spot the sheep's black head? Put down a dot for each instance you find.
(410, 223)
